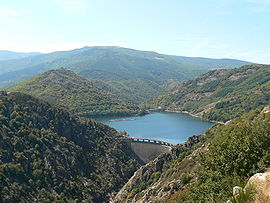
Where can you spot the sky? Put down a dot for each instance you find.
(199, 28)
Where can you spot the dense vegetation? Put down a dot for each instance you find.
(220, 94)
(124, 70)
(229, 156)
(135, 90)
(49, 155)
(78, 95)
(237, 151)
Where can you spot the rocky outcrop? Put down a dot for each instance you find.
(257, 190)
(261, 184)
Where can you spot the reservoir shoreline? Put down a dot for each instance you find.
(168, 126)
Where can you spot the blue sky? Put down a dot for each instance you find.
(206, 28)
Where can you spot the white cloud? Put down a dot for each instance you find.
(71, 5)
(198, 47)
(260, 1)
(9, 12)
(250, 55)
(10, 16)
(9, 21)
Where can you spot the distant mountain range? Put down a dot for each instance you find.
(132, 75)
(9, 55)
(68, 90)
(220, 94)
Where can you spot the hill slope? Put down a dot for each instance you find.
(115, 65)
(9, 55)
(206, 168)
(77, 94)
(49, 155)
(220, 94)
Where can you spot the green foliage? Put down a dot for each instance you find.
(245, 195)
(220, 95)
(133, 90)
(135, 76)
(50, 155)
(78, 95)
(237, 151)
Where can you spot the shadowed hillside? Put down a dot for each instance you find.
(47, 154)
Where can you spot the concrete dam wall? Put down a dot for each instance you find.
(148, 151)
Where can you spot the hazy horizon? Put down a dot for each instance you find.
(126, 48)
(210, 29)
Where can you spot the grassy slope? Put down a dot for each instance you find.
(79, 95)
(49, 155)
(221, 94)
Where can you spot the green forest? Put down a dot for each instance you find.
(122, 70)
(74, 93)
(50, 155)
(219, 95)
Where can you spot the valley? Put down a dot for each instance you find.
(132, 75)
(86, 135)
(134, 101)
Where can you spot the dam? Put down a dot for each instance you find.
(148, 149)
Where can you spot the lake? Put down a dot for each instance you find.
(170, 127)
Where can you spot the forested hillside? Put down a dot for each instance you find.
(220, 95)
(121, 69)
(207, 167)
(50, 155)
(77, 94)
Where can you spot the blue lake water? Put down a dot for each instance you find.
(170, 127)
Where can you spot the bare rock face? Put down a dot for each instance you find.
(261, 184)
(257, 190)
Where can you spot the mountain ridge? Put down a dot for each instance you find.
(75, 93)
(219, 95)
(118, 67)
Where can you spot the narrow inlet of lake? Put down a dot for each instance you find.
(170, 127)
